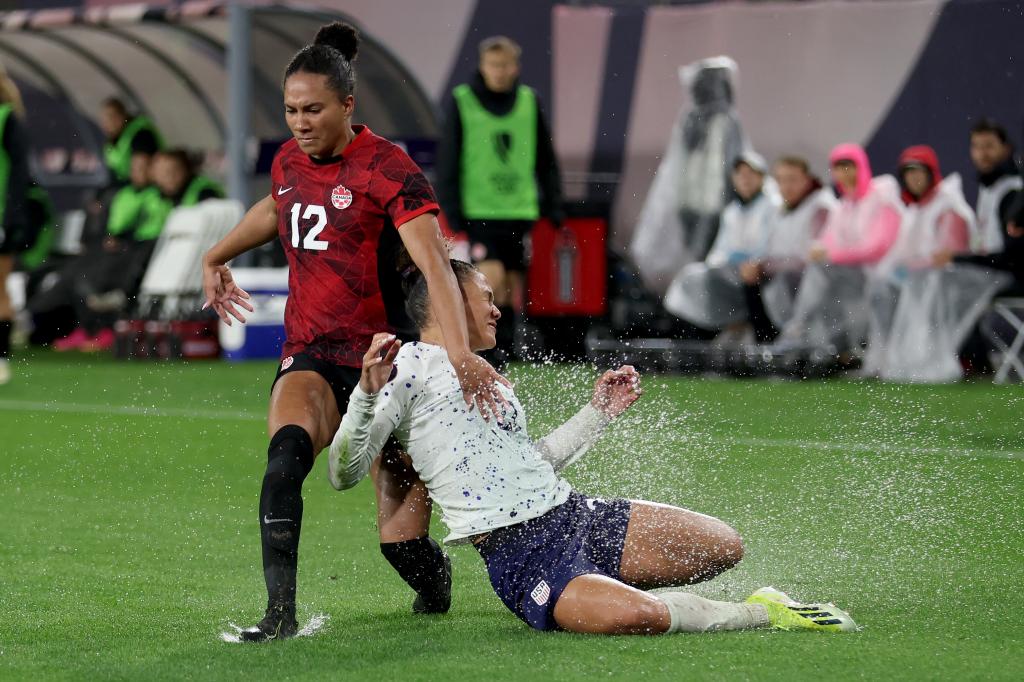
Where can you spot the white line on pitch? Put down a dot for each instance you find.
(131, 410)
(191, 413)
(873, 448)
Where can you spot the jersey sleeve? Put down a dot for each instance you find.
(277, 174)
(405, 191)
(365, 428)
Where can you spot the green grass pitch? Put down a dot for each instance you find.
(129, 538)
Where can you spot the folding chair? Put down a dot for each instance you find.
(1006, 315)
(175, 272)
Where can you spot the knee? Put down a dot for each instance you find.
(728, 548)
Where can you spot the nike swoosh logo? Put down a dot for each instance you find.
(284, 190)
(268, 520)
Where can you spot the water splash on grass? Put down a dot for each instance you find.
(313, 626)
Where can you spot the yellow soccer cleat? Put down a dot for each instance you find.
(786, 614)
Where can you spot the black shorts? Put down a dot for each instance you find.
(500, 240)
(341, 378)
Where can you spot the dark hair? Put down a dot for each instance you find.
(331, 54)
(987, 125)
(117, 104)
(181, 156)
(414, 285)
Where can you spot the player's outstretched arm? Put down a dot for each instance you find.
(614, 392)
(422, 239)
(257, 227)
(366, 425)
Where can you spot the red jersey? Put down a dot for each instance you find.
(333, 215)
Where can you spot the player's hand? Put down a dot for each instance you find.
(818, 254)
(222, 294)
(379, 362)
(750, 272)
(616, 390)
(479, 382)
(941, 259)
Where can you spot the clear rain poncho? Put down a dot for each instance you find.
(680, 215)
(919, 315)
(830, 310)
(710, 294)
(793, 232)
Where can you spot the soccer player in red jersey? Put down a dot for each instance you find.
(339, 193)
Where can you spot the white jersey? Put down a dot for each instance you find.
(743, 231)
(793, 232)
(483, 474)
(989, 235)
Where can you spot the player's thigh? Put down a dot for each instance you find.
(304, 399)
(494, 271)
(668, 545)
(403, 505)
(597, 604)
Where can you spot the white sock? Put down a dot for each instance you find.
(691, 613)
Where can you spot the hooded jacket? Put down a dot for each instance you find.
(866, 223)
(938, 220)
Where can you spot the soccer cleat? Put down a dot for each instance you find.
(278, 623)
(786, 614)
(440, 602)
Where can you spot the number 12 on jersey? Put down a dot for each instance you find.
(311, 242)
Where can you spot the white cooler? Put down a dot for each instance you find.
(262, 335)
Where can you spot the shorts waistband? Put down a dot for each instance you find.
(487, 543)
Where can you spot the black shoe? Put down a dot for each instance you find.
(440, 602)
(278, 623)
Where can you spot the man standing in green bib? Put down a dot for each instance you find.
(497, 174)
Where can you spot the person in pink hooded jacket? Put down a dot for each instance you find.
(831, 306)
(865, 225)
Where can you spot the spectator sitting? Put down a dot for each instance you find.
(998, 180)
(918, 315)
(710, 294)
(100, 287)
(830, 307)
(126, 135)
(770, 283)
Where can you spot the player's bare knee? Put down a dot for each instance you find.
(731, 552)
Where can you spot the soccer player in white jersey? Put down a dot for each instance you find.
(556, 558)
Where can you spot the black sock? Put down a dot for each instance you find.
(5, 338)
(289, 461)
(420, 562)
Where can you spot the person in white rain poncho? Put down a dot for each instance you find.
(919, 315)
(770, 282)
(998, 180)
(710, 294)
(831, 306)
(556, 558)
(691, 187)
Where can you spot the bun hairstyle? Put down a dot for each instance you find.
(331, 54)
(414, 286)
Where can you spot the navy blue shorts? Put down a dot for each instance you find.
(530, 563)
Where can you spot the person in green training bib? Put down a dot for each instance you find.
(126, 135)
(101, 283)
(14, 184)
(497, 174)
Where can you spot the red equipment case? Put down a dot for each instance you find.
(568, 269)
